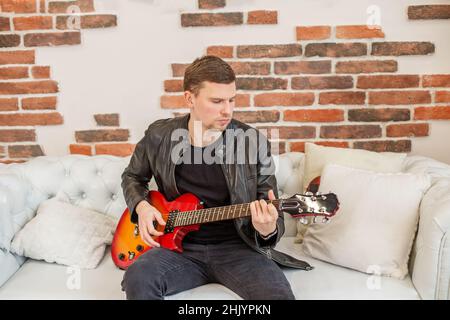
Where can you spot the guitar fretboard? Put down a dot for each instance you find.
(200, 216)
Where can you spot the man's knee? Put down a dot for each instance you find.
(141, 282)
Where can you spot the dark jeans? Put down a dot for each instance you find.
(160, 272)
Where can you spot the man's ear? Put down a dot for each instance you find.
(188, 97)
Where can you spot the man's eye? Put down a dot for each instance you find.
(216, 101)
(232, 100)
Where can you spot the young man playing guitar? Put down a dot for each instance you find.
(236, 253)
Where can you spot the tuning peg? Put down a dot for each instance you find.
(318, 194)
(325, 220)
(324, 197)
(303, 220)
(322, 209)
(315, 219)
(313, 198)
(308, 193)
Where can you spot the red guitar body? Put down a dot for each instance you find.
(127, 244)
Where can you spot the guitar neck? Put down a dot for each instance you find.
(200, 216)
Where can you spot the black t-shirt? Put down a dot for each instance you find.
(207, 182)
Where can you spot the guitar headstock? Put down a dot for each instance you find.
(311, 205)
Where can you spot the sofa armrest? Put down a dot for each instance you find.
(431, 253)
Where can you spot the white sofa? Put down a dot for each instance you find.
(94, 182)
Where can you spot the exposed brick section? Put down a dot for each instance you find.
(350, 132)
(9, 40)
(211, 19)
(382, 114)
(21, 6)
(342, 97)
(429, 12)
(300, 146)
(261, 83)
(322, 82)
(250, 68)
(25, 151)
(402, 48)
(399, 97)
(432, 113)
(17, 57)
(32, 23)
(299, 67)
(269, 51)
(17, 135)
(115, 149)
(28, 87)
(320, 115)
(52, 39)
(384, 146)
(313, 33)
(242, 100)
(442, 96)
(436, 80)
(211, 4)
(335, 49)
(4, 24)
(39, 103)
(262, 17)
(62, 7)
(80, 149)
(13, 73)
(387, 81)
(173, 102)
(178, 69)
(173, 85)
(111, 119)
(257, 116)
(366, 66)
(283, 99)
(220, 51)
(358, 32)
(295, 132)
(408, 130)
(86, 22)
(9, 104)
(31, 119)
(40, 72)
(101, 135)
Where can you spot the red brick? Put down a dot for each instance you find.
(342, 97)
(322, 82)
(359, 32)
(407, 130)
(17, 57)
(266, 83)
(28, 87)
(9, 104)
(211, 4)
(19, 6)
(387, 81)
(86, 22)
(211, 19)
(432, 113)
(291, 132)
(262, 17)
(63, 7)
(402, 48)
(336, 49)
(173, 85)
(378, 114)
(242, 100)
(9, 161)
(367, 66)
(80, 149)
(384, 146)
(257, 116)
(4, 24)
(111, 119)
(39, 103)
(269, 51)
(283, 99)
(32, 23)
(115, 149)
(9, 40)
(13, 73)
(298, 67)
(399, 97)
(173, 102)
(250, 68)
(318, 115)
(442, 96)
(17, 135)
(30, 119)
(350, 131)
(52, 39)
(178, 69)
(40, 72)
(429, 12)
(436, 80)
(313, 33)
(25, 151)
(102, 135)
(220, 51)
(300, 146)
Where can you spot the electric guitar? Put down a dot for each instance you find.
(186, 214)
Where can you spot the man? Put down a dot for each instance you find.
(235, 253)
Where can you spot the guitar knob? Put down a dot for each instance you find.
(136, 230)
(121, 256)
(139, 248)
(131, 255)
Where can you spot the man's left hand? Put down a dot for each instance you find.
(264, 216)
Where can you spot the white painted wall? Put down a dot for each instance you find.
(122, 69)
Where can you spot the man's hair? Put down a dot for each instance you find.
(207, 68)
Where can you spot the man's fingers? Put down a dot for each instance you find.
(271, 195)
(160, 219)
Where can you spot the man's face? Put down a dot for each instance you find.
(213, 105)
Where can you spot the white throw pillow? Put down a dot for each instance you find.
(63, 233)
(374, 228)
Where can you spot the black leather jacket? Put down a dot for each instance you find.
(153, 158)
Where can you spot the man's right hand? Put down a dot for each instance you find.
(147, 215)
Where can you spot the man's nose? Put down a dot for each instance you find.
(227, 108)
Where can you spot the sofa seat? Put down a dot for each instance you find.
(42, 280)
